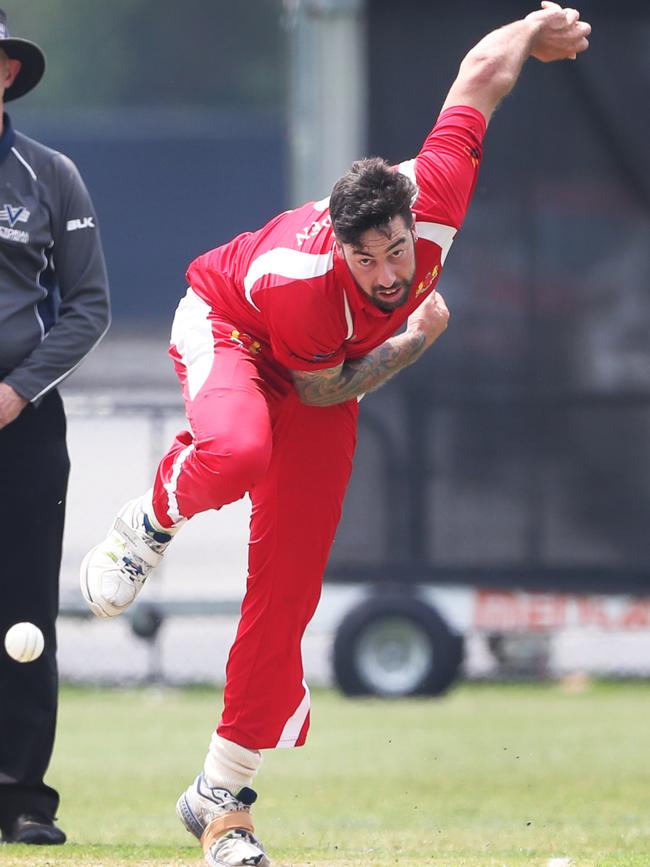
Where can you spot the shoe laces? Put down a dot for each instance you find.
(133, 566)
(132, 534)
(224, 800)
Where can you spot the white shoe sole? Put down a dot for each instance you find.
(187, 817)
(86, 592)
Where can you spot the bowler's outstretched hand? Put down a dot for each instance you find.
(561, 34)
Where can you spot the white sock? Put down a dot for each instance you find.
(147, 508)
(229, 766)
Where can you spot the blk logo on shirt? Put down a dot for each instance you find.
(80, 223)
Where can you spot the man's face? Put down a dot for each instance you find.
(9, 69)
(383, 263)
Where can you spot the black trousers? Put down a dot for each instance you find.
(34, 470)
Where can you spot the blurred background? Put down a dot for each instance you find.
(497, 521)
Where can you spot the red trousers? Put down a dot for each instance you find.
(250, 433)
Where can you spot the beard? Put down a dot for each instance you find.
(401, 289)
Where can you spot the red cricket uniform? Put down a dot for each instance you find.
(270, 301)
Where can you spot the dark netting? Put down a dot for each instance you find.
(517, 451)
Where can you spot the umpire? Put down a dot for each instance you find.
(54, 309)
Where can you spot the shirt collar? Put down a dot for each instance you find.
(7, 138)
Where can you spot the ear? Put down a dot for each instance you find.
(11, 72)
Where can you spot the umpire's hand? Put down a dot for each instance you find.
(11, 404)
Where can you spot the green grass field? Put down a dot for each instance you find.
(489, 775)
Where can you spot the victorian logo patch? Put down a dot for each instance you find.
(13, 215)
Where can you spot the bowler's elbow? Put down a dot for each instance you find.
(482, 83)
(317, 387)
(307, 396)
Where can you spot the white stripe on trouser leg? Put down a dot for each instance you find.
(172, 485)
(294, 724)
(150, 512)
(192, 336)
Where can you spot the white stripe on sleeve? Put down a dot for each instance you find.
(408, 168)
(440, 234)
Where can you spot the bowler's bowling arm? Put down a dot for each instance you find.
(490, 70)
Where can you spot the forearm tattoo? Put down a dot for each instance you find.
(353, 378)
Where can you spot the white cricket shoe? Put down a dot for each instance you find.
(114, 572)
(223, 824)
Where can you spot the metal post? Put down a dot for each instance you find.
(327, 93)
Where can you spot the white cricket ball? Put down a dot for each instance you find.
(24, 642)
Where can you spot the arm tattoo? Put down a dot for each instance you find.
(353, 378)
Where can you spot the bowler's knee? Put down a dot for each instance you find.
(240, 461)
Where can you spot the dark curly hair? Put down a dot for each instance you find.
(368, 196)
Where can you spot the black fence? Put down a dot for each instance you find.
(517, 452)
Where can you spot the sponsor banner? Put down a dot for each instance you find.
(498, 610)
